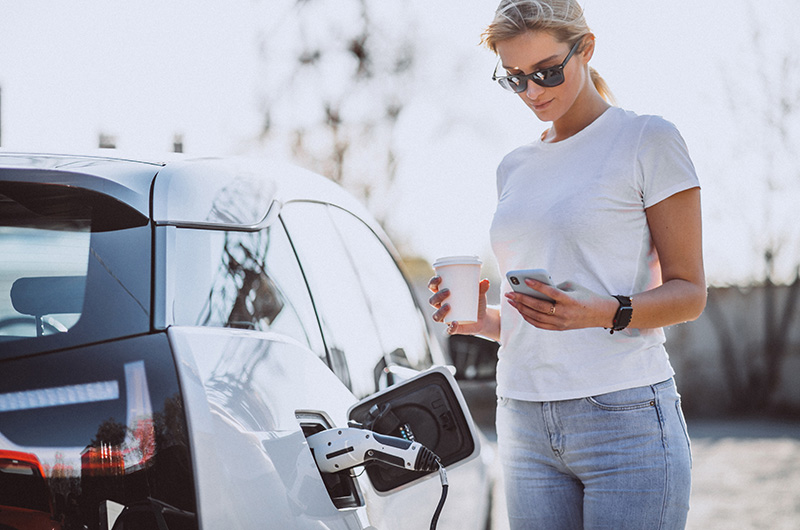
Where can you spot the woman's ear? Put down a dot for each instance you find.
(588, 47)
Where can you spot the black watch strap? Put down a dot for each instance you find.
(624, 313)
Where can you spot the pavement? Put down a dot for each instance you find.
(746, 474)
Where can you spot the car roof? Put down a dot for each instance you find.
(209, 192)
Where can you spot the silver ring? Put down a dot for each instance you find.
(553, 309)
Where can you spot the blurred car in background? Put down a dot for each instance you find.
(172, 332)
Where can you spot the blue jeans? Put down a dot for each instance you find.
(615, 461)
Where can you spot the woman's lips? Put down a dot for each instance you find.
(541, 106)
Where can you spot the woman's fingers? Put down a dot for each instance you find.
(433, 283)
(548, 290)
(440, 314)
(529, 305)
(438, 301)
(439, 297)
(542, 314)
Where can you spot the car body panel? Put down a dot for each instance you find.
(251, 460)
(126, 180)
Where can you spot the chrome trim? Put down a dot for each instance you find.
(270, 217)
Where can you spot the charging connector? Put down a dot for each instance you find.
(341, 449)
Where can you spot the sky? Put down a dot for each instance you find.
(146, 71)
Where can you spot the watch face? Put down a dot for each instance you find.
(623, 316)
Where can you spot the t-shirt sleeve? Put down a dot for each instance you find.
(664, 165)
(500, 176)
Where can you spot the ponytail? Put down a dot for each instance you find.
(601, 86)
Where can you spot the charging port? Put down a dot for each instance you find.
(342, 486)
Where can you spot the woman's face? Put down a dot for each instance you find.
(535, 50)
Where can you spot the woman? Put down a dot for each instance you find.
(589, 425)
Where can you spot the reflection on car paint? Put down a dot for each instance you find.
(58, 396)
(25, 497)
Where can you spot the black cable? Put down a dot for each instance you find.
(445, 486)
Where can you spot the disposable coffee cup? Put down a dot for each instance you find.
(461, 275)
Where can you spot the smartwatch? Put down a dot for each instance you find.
(624, 313)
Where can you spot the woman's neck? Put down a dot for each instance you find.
(587, 107)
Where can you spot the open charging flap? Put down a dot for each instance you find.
(428, 408)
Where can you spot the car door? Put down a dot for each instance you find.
(372, 325)
(255, 380)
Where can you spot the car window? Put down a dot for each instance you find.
(400, 323)
(75, 268)
(248, 280)
(355, 352)
(43, 279)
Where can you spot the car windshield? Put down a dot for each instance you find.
(74, 268)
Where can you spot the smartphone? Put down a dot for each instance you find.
(517, 280)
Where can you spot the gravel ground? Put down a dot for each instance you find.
(746, 475)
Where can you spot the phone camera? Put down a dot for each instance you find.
(514, 280)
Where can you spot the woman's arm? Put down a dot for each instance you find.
(676, 228)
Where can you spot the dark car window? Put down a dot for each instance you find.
(85, 433)
(74, 268)
(242, 280)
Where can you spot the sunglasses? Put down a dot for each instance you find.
(546, 77)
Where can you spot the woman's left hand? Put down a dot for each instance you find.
(575, 307)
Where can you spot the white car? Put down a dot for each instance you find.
(177, 338)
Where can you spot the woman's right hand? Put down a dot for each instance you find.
(439, 302)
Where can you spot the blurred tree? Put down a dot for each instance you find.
(336, 80)
(767, 104)
(109, 432)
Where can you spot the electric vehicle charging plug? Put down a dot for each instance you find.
(339, 449)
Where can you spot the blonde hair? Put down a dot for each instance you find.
(561, 18)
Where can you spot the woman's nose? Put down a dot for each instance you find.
(533, 90)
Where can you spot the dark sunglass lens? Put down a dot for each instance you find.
(512, 83)
(519, 84)
(551, 77)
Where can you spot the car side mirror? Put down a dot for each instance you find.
(475, 358)
(428, 408)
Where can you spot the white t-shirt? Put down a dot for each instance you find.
(577, 208)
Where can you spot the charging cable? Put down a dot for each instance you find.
(445, 486)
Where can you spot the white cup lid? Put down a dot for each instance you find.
(457, 260)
